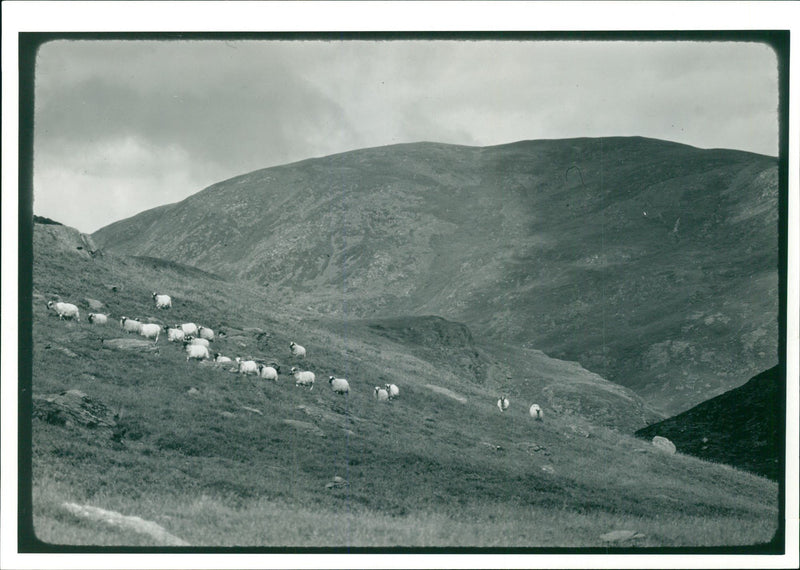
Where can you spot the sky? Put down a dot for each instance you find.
(125, 126)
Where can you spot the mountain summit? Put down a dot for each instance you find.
(653, 264)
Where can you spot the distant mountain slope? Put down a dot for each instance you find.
(651, 263)
(741, 427)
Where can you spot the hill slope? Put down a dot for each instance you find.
(741, 427)
(217, 458)
(651, 263)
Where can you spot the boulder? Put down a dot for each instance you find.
(125, 523)
(665, 445)
(73, 407)
(337, 483)
(446, 392)
(94, 304)
(130, 344)
(305, 426)
(621, 536)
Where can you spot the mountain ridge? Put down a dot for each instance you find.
(651, 263)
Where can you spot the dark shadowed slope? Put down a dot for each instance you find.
(651, 263)
(741, 427)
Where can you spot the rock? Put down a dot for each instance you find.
(193, 391)
(124, 522)
(305, 426)
(549, 469)
(130, 344)
(532, 448)
(665, 445)
(74, 408)
(621, 536)
(94, 304)
(66, 351)
(579, 431)
(337, 483)
(225, 414)
(446, 392)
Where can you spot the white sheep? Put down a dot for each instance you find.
(247, 366)
(339, 385)
(205, 332)
(98, 319)
(297, 350)
(150, 330)
(196, 351)
(188, 328)
(65, 310)
(381, 394)
(162, 301)
(303, 378)
(219, 358)
(174, 335)
(267, 372)
(130, 325)
(503, 403)
(193, 340)
(536, 412)
(392, 390)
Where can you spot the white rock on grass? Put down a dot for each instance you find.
(665, 445)
(446, 392)
(621, 536)
(125, 523)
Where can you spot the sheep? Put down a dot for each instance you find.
(247, 366)
(174, 335)
(381, 394)
(502, 403)
(267, 372)
(392, 390)
(98, 318)
(219, 358)
(65, 310)
(339, 385)
(206, 333)
(196, 351)
(162, 301)
(304, 378)
(188, 328)
(297, 350)
(130, 325)
(536, 412)
(193, 340)
(150, 330)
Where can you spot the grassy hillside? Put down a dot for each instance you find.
(653, 264)
(220, 459)
(741, 427)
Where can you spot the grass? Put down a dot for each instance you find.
(423, 470)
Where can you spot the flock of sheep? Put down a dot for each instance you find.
(196, 340)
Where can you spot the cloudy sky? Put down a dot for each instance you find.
(129, 125)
